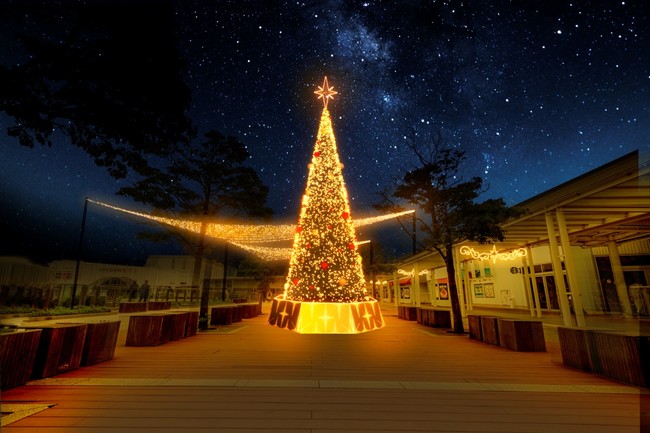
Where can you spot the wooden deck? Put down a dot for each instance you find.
(251, 377)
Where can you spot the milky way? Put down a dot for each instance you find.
(536, 95)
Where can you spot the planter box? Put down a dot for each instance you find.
(521, 335)
(474, 322)
(17, 355)
(100, 342)
(133, 307)
(490, 330)
(144, 330)
(60, 349)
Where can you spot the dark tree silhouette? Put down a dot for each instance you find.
(109, 78)
(448, 205)
(206, 181)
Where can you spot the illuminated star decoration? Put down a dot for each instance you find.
(326, 92)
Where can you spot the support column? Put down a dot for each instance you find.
(533, 283)
(415, 284)
(396, 288)
(529, 267)
(557, 271)
(570, 268)
(527, 287)
(619, 280)
(466, 285)
(459, 284)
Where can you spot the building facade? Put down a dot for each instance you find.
(581, 248)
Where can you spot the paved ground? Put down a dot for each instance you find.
(251, 377)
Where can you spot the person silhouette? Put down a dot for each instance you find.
(144, 291)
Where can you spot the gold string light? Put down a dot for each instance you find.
(240, 233)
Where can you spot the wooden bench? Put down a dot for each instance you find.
(222, 315)
(17, 355)
(474, 323)
(158, 305)
(133, 307)
(173, 327)
(252, 310)
(434, 317)
(100, 342)
(407, 312)
(521, 335)
(574, 348)
(618, 355)
(144, 330)
(192, 323)
(490, 330)
(60, 349)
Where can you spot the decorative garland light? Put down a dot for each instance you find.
(493, 254)
(241, 233)
(412, 272)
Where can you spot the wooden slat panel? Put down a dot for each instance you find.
(59, 350)
(133, 307)
(474, 322)
(144, 330)
(521, 335)
(17, 355)
(490, 330)
(101, 339)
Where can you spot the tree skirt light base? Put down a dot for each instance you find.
(326, 317)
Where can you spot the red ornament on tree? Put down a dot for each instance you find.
(316, 154)
(324, 265)
(345, 215)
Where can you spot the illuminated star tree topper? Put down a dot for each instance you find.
(325, 92)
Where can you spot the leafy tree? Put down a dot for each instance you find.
(96, 75)
(448, 204)
(204, 180)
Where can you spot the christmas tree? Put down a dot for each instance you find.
(325, 288)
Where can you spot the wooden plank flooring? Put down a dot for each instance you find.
(251, 377)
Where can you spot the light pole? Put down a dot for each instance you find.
(79, 253)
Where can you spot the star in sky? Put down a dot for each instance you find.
(535, 93)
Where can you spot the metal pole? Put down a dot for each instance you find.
(79, 252)
(225, 272)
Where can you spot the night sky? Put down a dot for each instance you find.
(536, 93)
